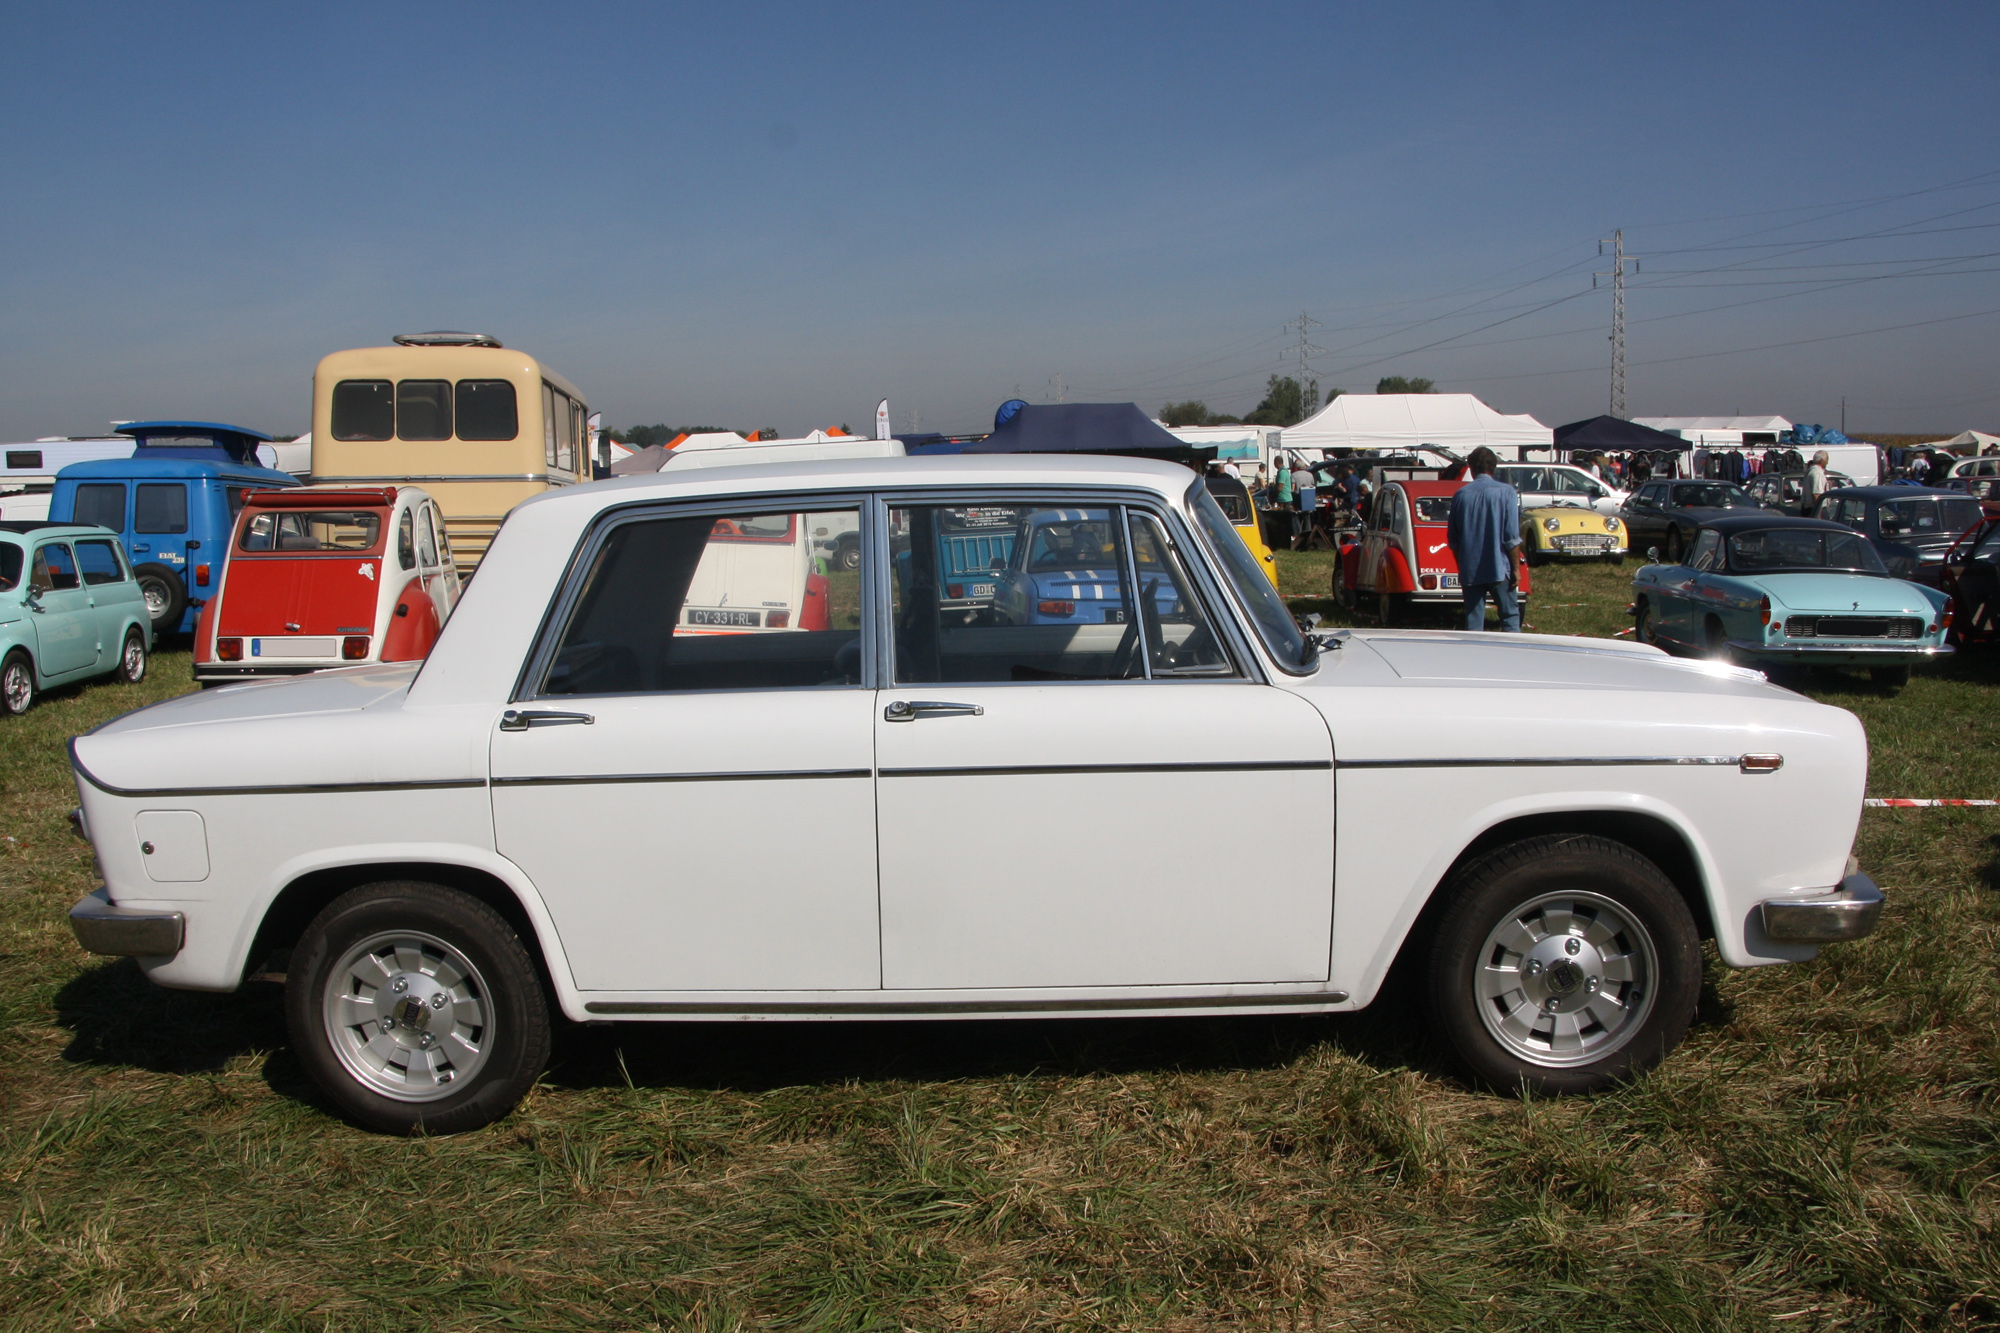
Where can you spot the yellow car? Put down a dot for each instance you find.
(1571, 532)
(1234, 497)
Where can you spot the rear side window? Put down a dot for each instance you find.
(487, 410)
(161, 507)
(101, 503)
(364, 410)
(423, 410)
(99, 562)
(406, 544)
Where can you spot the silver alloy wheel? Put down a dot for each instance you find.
(134, 661)
(157, 599)
(1566, 979)
(17, 686)
(408, 1015)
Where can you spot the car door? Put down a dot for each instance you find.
(692, 791)
(1642, 516)
(1052, 796)
(108, 586)
(65, 630)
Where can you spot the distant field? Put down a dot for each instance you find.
(1823, 1151)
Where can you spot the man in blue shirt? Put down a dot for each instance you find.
(1485, 536)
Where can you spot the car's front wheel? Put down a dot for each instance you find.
(17, 684)
(416, 1007)
(1563, 965)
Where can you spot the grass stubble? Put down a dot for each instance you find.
(1822, 1151)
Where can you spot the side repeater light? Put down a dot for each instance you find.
(1761, 763)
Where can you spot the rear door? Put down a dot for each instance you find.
(114, 598)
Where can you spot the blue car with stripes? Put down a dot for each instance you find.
(1068, 568)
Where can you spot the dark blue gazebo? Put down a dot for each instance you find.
(1088, 428)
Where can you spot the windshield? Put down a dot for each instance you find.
(1274, 624)
(1770, 549)
(351, 530)
(1929, 516)
(1433, 508)
(1717, 496)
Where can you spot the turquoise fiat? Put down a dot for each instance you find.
(1766, 590)
(70, 610)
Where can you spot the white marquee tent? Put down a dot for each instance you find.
(1455, 421)
(1970, 442)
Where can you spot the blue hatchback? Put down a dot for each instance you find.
(1067, 568)
(173, 500)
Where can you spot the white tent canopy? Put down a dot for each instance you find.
(1971, 442)
(1690, 426)
(1454, 421)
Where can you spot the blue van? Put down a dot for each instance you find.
(173, 504)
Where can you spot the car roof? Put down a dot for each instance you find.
(1735, 523)
(140, 468)
(1896, 492)
(49, 529)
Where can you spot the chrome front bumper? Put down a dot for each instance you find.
(1847, 913)
(1840, 647)
(123, 932)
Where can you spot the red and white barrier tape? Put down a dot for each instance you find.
(1905, 803)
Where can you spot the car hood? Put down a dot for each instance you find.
(1843, 592)
(1457, 657)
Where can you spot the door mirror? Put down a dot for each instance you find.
(1596, 492)
(1652, 555)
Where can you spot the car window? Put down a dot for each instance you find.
(1713, 495)
(707, 603)
(427, 555)
(55, 569)
(1931, 515)
(353, 530)
(443, 537)
(406, 541)
(1767, 549)
(1525, 478)
(1268, 613)
(1179, 638)
(1571, 483)
(101, 503)
(161, 507)
(1707, 551)
(99, 563)
(11, 560)
(1433, 508)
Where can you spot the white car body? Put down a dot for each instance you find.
(1542, 484)
(1383, 763)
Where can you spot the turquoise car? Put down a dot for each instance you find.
(70, 610)
(1770, 591)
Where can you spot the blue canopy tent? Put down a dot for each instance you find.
(1088, 428)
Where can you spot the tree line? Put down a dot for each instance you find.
(1285, 402)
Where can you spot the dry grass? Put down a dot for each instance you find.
(1822, 1151)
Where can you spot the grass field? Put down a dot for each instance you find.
(1823, 1151)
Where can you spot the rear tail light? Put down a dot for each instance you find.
(201, 576)
(954, 590)
(1056, 608)
(1427, 581)
(1944, 617)
(778, 620)
(1764, 610)
(229, 650)
(354, 647)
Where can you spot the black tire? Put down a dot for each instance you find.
(1395, 607)
(132, 657)
(1619, 914)
(1674, 546)
(17, 683)
(502, 1053)
(1644, 628)
(847, 556)
(166, 596)
(1716, 640)
(1890, 678)
(1615, 558)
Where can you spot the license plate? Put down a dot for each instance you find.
(981, 590)
(1114, 616)
(734, 619)
(1448, 581)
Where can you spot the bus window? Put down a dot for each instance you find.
(364, 410)
(486, 410)
(423, 409)
(102, 503)
(548, 425)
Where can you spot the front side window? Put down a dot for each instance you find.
(690, 604)
(161, 507)
(423, 410)
(101, 503)
(1707, 549)
(11, 561)
(99, 563)
(55, 569)
(1268, 613)
(486, 410)
(364, 410)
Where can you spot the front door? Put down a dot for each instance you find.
(65, 629)
(695, 801)
(1064, 776)
(109, 589)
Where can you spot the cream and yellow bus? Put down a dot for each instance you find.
(479, 426)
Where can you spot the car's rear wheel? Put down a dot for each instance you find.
(1644, 628)
(1716, 639)
(165, 594)
(1674, 546)
(416, 1007)
(132, 659)
(1563, 964)
(17, 683)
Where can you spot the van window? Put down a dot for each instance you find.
(423, 409)
(364, 410)
(101, 503)
(486, 410)
(161, 507)
(99, 562)
(235, 494)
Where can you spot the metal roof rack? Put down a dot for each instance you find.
(446, 338)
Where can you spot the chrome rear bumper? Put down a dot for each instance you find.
(1847, 913)
(103, 927)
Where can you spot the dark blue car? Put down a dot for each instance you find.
(173, 504)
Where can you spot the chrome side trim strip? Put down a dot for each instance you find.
(296, 789)
(610, 779)
(1610, 761)
(1250, 766)
(963, 1006)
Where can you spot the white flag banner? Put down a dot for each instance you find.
(882, 420)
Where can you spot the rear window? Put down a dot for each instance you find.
(351, 530)
(423, 410)
(161, 507)
(364, 410)
(1931, 516)
(102, 504)
(487, 410)
(1433, 509)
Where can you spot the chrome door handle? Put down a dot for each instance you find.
(511, 720)
(912, 709)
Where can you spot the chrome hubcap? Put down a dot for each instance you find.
(156, 598)
(17, 686)
(1566, 979)
(135, 659)
(408, 1015)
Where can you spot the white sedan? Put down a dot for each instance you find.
(896, 807)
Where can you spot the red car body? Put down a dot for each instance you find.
(327, 576)
(1402, 558)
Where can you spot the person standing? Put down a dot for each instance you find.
(1815, 484)
(1307, 487)
(1485, 536)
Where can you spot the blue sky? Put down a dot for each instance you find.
(772, 215)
